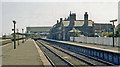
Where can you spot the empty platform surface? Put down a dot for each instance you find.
(25, 54)
(94, 46)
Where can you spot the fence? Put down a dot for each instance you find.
(98, 40)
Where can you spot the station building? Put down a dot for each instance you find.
(71, 27)
(66, 28)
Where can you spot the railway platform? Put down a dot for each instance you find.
(94, 46)
(25, 55)
(106, 53)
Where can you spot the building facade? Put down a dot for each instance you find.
(71, 27)
(68, 27)
(38, 31)
(100, 28)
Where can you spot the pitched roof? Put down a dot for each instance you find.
(74, 30)
(90, 23)
(38, 29)
(78, 23)
(66, 23)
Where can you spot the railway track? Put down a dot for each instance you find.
(55, 59)
(84, 59)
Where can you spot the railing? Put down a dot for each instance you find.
(97, 40)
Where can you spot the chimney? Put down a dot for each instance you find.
(57, 21)
(65, 19)
(60, 19)
(86, 19)
(85, 16)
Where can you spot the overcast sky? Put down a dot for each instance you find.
(46, 13)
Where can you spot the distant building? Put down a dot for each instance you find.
(64, 29)
(100, 28)
(38, 31)
(71, 27)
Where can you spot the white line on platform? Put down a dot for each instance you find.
(4, 45)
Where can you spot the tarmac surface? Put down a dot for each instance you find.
(25, 54)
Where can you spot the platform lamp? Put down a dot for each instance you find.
(14, 22)
(22, 36)
(113, 29)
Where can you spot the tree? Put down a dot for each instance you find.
(105, 34)
(117, 34)
(4, 37)
(118, 29)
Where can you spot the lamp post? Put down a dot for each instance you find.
(22, 35)
(18, 36)
(113, 28)
(14, 34)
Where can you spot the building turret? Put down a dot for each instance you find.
(61, 19)
(72, 16)
(57, 21)
(86, 19)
